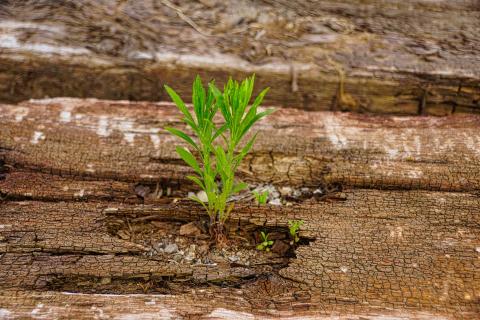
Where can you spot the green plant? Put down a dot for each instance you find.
(265, 244)
(261, 197)
(217, 150)
(293, 227)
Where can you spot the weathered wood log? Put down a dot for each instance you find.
(297, 148)
(415, 57)
(394, 249)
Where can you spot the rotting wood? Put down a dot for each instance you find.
(391, 249)
(389, 51)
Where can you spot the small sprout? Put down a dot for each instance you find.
(294, 226)
(265, 244)
(216, 150)
(261, 197)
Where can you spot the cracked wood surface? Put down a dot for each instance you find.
(69, 166)
(123, 142)
(406, 57)
(394, 249)
(199, 304)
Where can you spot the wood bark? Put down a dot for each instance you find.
(401, 238)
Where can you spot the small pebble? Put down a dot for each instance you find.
(233, 258)
(171, 248)
(202, 195)
(286, 191)
(177, 258)
(275, 202)
(158, 247)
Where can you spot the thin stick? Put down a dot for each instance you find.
(185, 18)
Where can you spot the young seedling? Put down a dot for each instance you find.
(294, 226)
(265, 244)
(216, 151)
(261, 197)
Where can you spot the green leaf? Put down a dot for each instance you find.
(244, 95)
(178, 102)
(261, 198)
(264, 236)
(192, 125)
(260, 247)
(223, 166)
(221, 101)
(196, 199)
(239, 187)
(210, 95)
(209, 180)
(249, 116)
(253, 110)
(293, 231)
(246, 149)
(189, 159)
(198, 99)
(257, 117)
(220, 154)
(220, 131)
(197, 181)
(182, 135)
(217, 93)
(259, 98)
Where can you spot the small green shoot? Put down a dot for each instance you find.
(293, 227)
(265, 244)
(215, 151)
(261, 197)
